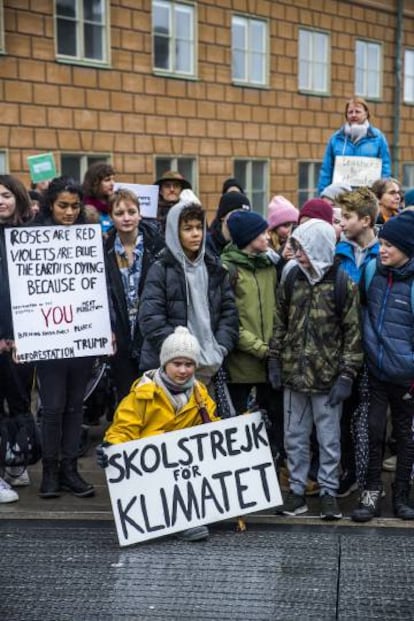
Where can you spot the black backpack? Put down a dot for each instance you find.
(19, 441)
(340, 278)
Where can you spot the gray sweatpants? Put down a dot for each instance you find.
(301, 411)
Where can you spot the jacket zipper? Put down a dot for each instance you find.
(382, 318)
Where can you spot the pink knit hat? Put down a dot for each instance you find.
(317, 208)
(279, 211)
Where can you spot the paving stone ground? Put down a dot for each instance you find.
(75, 571)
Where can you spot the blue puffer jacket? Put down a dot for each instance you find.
(388, 323)
(373, 145)
(345, 252)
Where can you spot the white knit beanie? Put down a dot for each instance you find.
(180, 344)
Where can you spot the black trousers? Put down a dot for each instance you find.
(267, 399)
(62, 385)
(124, 370)
(383, 394)
(15, 385)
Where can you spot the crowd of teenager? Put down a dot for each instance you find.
(307, 315)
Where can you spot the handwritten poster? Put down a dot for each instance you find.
(356, 171)
(58, 292)
(147, 195)
(170, 482)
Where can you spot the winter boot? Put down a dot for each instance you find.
(369, 506)
(71, 480)
(50, 486)
(400, 502)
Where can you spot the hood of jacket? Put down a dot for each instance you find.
(251, 262)
(318, 241)
(172, 235)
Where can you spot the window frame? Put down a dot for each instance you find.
(2, 39)
(5, 155)
(174, 164)
(172, 71)
(406, 100)
(307, 56)
(312, 174)
(407, 175)
(246, 180)
(367, 71)
(248, 21)
(85, 160)
(80, 58)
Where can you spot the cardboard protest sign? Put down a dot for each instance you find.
(58, 292)
(148, 197)
(42, 167)
(170, 482)
(356, 171)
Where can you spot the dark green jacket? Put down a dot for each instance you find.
(312, 342)
(253, 278)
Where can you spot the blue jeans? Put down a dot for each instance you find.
(301, 411)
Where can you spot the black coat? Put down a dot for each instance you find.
(153, 243)
(6, 326)
(163, 306)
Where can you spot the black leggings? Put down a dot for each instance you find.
(62, 385)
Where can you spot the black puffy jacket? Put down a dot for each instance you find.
(6, 327)
(163, 306)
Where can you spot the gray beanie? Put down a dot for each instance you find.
(334, 190)
(180, 344)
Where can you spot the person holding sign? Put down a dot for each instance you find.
(130, 249)
(162, 400)
(14, 211)
(62, 382)
(357, 137)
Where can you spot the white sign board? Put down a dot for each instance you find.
(356, 171)
(170, 482)
(58, 292)
(147, 195)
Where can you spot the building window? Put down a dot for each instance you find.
(313, 61)
(368, 69)
(3, 163)
(253, 176)
(249, 51)
(184, 165)
(75, 165)
(1, 27)
(82, 30)
(308, 181)
(408, 176)
(173, 31)
(409, 76)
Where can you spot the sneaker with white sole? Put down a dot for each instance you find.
(17, 476)
(295, 504)
(329, 508)
(7, 494)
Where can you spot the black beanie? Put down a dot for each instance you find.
(231, 201)
(230, 183)
(245, 226)
(399, 231)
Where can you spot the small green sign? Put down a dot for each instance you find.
(42, 167)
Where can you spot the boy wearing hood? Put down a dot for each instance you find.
(315, 353)
(189, 287)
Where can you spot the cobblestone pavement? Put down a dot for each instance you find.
(75, 571)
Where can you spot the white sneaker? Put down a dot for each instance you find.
(7, 494)
(390, 464)
(16, 476)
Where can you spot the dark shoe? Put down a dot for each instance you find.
(198, 533)
(369, 506)
(329, 508)
(295, 504)
(347, 484)
(71, 480)
(50, 485)
(400, 501)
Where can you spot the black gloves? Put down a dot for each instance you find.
(340, 391)
(101, 457)
(274, 373)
